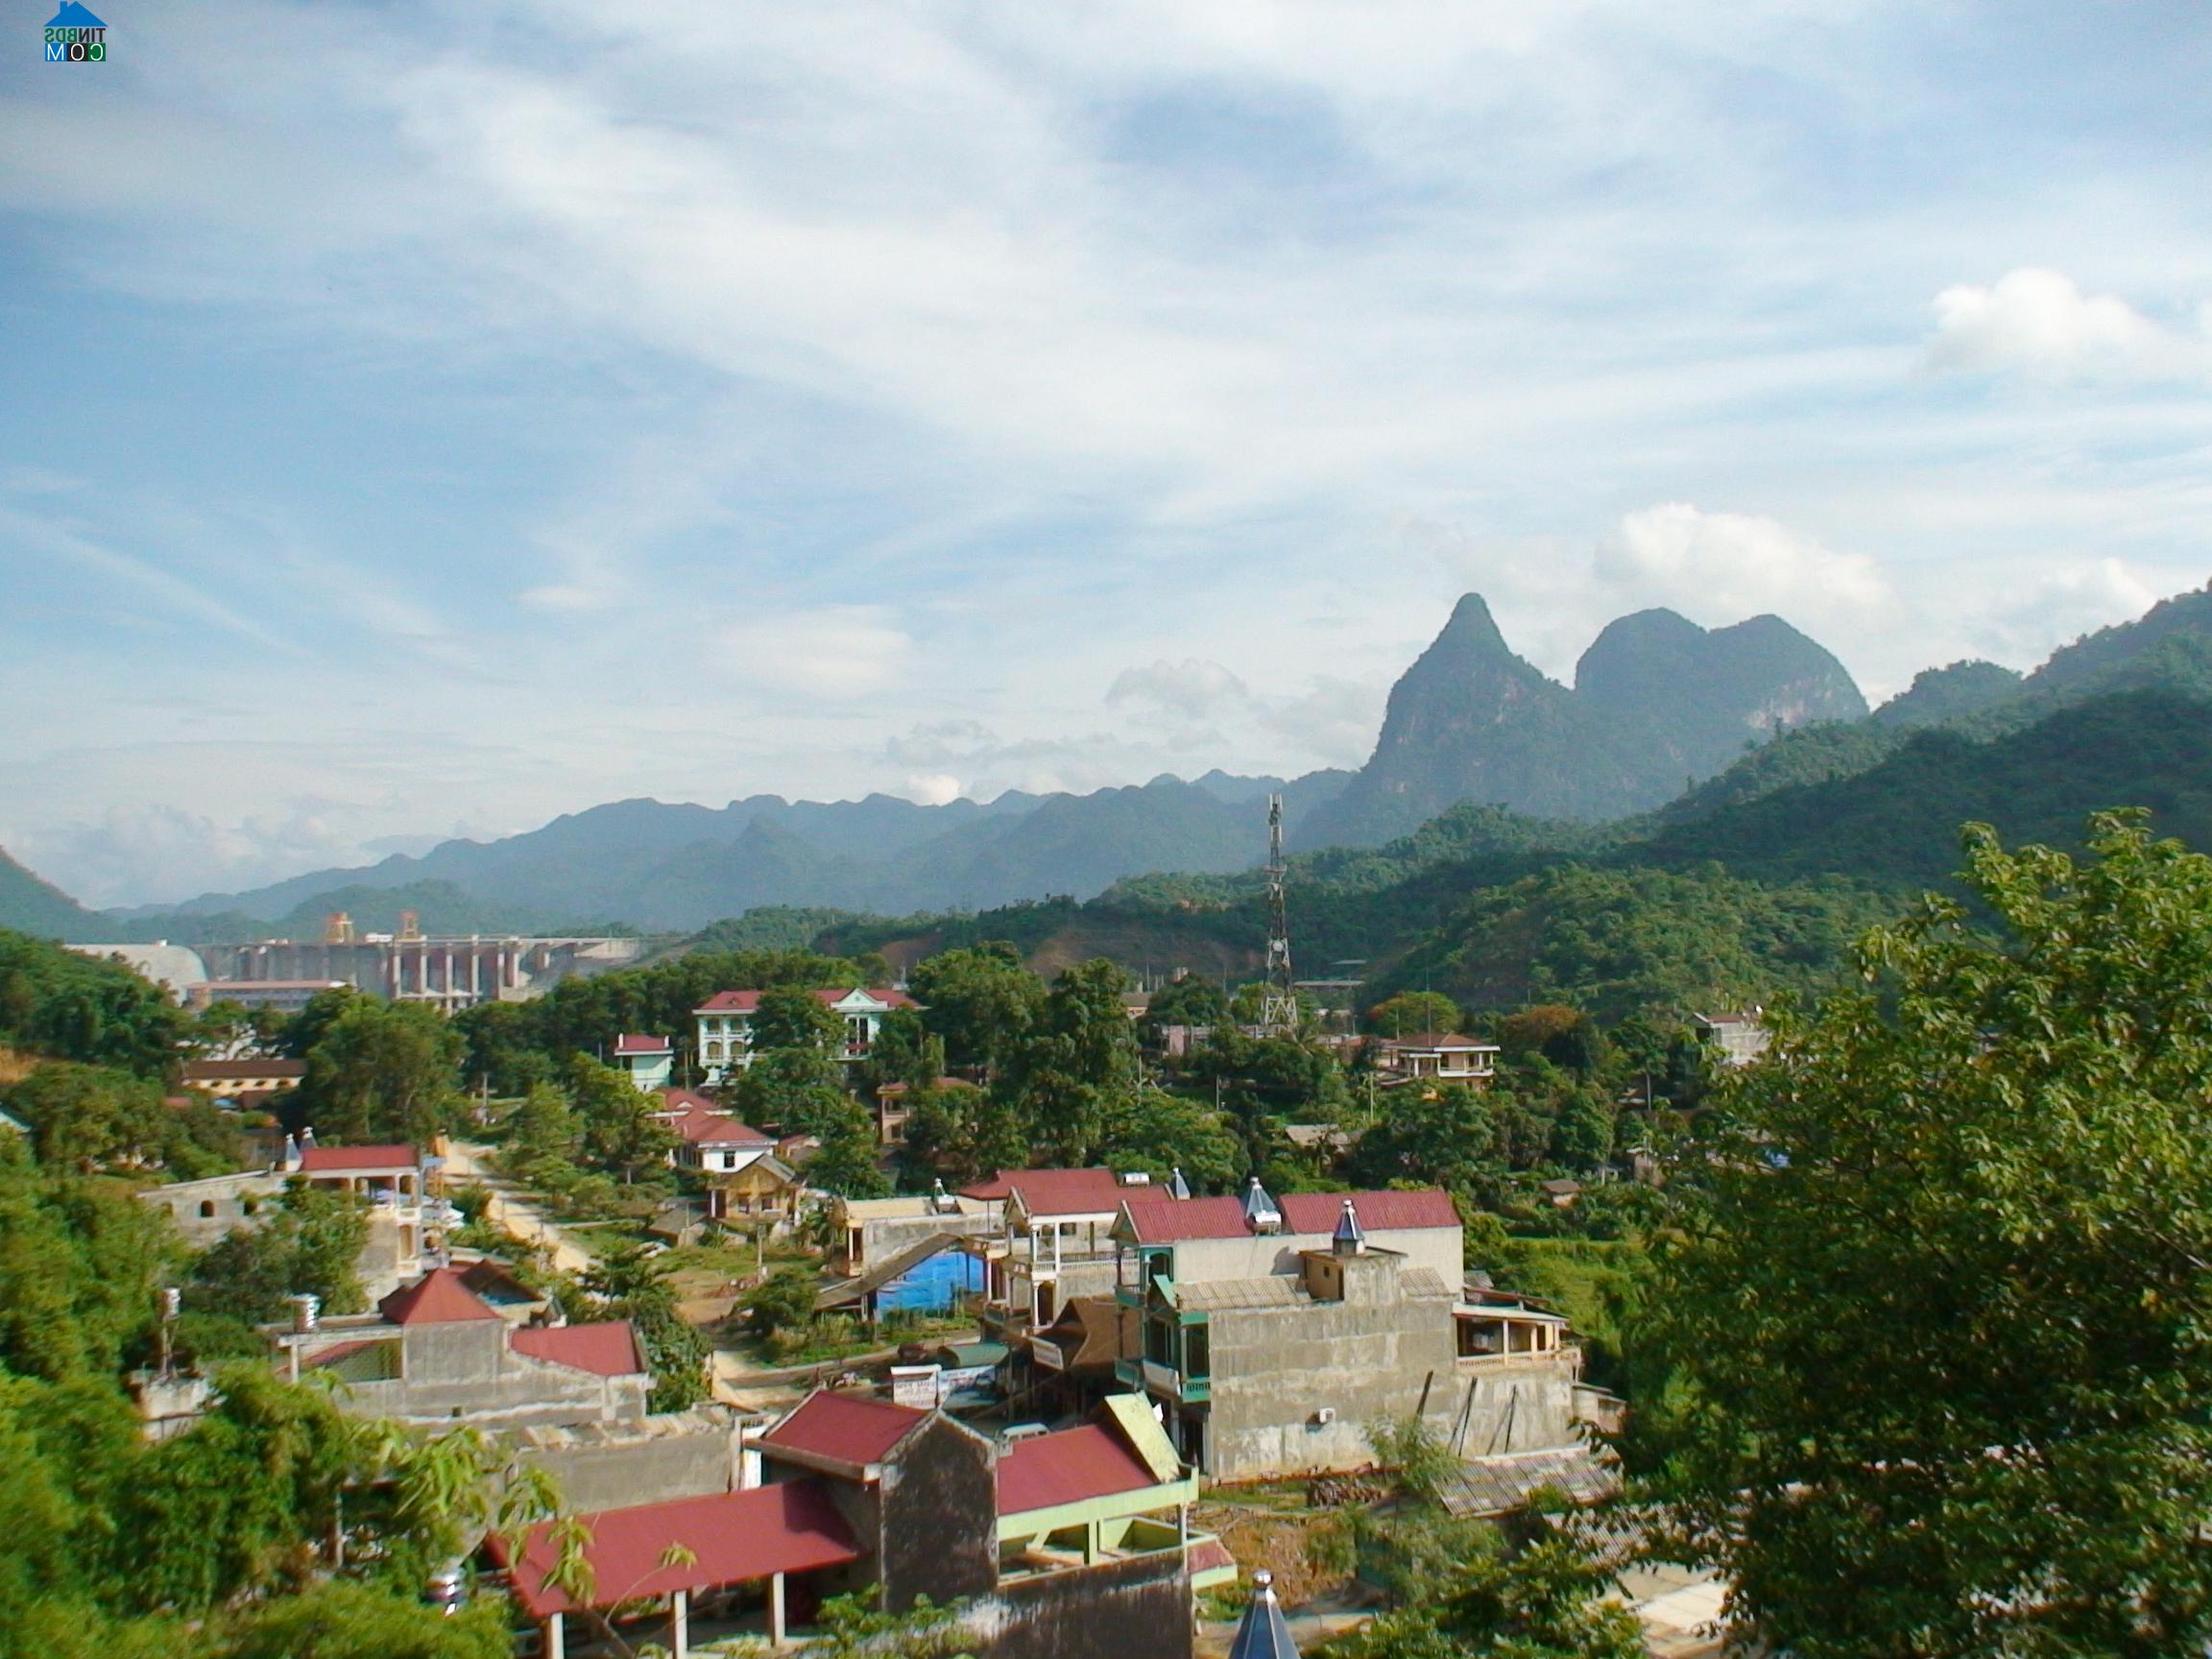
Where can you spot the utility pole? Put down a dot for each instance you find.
(1278, 1009)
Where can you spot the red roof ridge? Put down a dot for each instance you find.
(604, 1347)
(727, 1538)
(439, 1297)
(1071, 1466)
(844, 1427)
(317, 1159)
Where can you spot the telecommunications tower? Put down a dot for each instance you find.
(1278, 1009)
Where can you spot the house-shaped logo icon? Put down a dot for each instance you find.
(75, 36)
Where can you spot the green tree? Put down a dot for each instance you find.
(982, 1002)
(958, 1133)
(1443, 1134)
(792, 1017)
(628, 1283)
(620, 1132)
(74, 1007)
(800, 1090)
(1937, 1310)
(80, 1261)
(348, 1621)
(381, 1070)
(1567, 1037)
(784, 1303)
(310, 1246)
(1194, 999)
(1411, 1013)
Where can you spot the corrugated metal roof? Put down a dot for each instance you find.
(1180, 1219)
(732, 1538)
(439, 1297)
(331, 1160)
(608, 1348)
(1070, 1467)
(1379, 1211)
(1270, 1291)
(844, 1427)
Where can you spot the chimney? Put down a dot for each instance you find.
(1350, 1239)
(306, 1310)
(1259, 1212)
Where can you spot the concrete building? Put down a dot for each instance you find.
(1269, 1343)
(1741, 1038)
(1439, 1057)
(649, 1061)
(407, 1227)
(1053, 1239)
(451, 972)
(726, 1025)
(435, 1353)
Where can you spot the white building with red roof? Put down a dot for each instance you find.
(1052, 1241)
(708, 1139)
(726, 1025)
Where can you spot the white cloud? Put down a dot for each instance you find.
(1736, 564)
(932, 788)
(2039, 321)
(1189, 690)
(2059, 604)
(834, 652)
(116, 857)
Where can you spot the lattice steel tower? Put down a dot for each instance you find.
(1278, 1009)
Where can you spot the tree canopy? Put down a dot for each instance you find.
(1937, 1308)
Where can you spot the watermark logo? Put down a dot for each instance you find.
(75, 36)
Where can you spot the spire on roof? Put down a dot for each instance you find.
(307, 1138)
(1259, 1212)
(939, 1203)
(1177, 1187)
(1350, 1237)
(1263, 1633)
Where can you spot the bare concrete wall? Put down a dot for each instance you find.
(1277, 1369)
(1256, 1255)
(1134, 1609)
(691, 1455)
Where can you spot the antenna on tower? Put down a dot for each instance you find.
(1279, 1008)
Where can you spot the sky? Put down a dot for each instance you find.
(420, 421)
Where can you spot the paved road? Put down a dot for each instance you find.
(466, 1161)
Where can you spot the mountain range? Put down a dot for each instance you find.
(1662, 715)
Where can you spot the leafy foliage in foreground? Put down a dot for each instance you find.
(1938, 1310)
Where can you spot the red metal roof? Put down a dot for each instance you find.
(1057, 1191)
(1175, 1220)
(1208, 1553)
(1320, 1211)
(334, 1160)
(340, 1351)
(1070, 1467)
(844, 1427)
(713, 1129)
(439, 1297)
(745, 1001)
(627, 1043)
(1307, 1212)
(608, 1348)
(732, 1537)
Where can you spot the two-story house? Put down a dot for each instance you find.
(1437, 1057)
(726, 1025)
(1050, 1237)
(649, 1062)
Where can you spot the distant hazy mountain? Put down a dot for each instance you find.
(30, 905)
(678, 867)
(1658, 702)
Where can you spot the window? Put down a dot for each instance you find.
(206, 1209)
